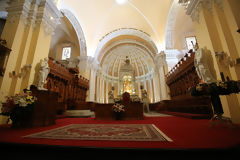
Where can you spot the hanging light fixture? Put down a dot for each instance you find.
(121, 1)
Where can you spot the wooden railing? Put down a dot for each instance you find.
(182, 76)
(180, 79)
(65, 81)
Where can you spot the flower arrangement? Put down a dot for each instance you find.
(215, 89)
(135, 98)
(218, 88)
(18, 106)
(118, 107)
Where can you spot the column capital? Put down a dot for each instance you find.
(48, 15)
(160, 59)
(18, 9)
(193, 7)
(87, 63)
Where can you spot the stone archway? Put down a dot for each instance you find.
(78, 29)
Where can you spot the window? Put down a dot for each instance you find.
(191, 41)
(66, 53)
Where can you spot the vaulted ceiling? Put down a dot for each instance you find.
(136, 28)
(100, 17)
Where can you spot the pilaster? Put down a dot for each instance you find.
(215, 34)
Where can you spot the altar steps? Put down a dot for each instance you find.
(79, 113)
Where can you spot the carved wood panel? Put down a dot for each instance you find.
(182, 77)
(71, 89)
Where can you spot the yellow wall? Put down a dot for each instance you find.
(216, 32)
(13, 33)
(29, 45)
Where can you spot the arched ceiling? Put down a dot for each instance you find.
(136, 29)
(100, 17)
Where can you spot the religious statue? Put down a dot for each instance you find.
(110, 97)
(145, 100)
(43, 73)
(202, 66)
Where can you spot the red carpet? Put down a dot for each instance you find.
(185, 133)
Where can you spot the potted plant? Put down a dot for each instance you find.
(19, 108)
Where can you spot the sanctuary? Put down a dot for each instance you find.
(89, 56)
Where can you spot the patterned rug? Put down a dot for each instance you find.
(113, 132)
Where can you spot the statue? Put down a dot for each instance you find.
(145, 100)
(42, 74)
(202, 66)
(110, 97)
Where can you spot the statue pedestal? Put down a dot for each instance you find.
(44, 111)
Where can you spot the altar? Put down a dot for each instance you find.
(133, 111)
(127, 98)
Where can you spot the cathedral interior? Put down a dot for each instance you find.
(96, 51)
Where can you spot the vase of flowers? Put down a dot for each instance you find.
(19, 109)
(215, 89)
(118, 109)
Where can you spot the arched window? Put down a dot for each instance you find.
(66, 53)
(191, 41)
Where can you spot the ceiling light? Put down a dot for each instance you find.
(121, 1)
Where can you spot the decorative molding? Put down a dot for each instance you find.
(18, 9)
(170, 27)
(78, 29)
(48, 15)
(121, 42)
(125, 31)
(3, 9)
(160, 59)
(137, 55)
(219, 3)
(33, 12)
(87, 63)
(193, 7)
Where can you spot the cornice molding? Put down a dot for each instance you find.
(18, 9)
(193, 7)
(34, 12)
(48, 15)
(124, 31)
(4, 5)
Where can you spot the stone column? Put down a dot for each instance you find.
(101, 89)
(92, 81)
(91, 91)
(160, 62)
(145, 84)
(151, 91)
(28, 31)
(97, 88)
(106, 100)
(156, 87)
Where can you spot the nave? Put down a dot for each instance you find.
(188, 136)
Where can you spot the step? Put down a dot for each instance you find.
(79, 113)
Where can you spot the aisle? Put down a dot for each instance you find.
(185, 133)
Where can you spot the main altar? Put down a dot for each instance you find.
(133, 107)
